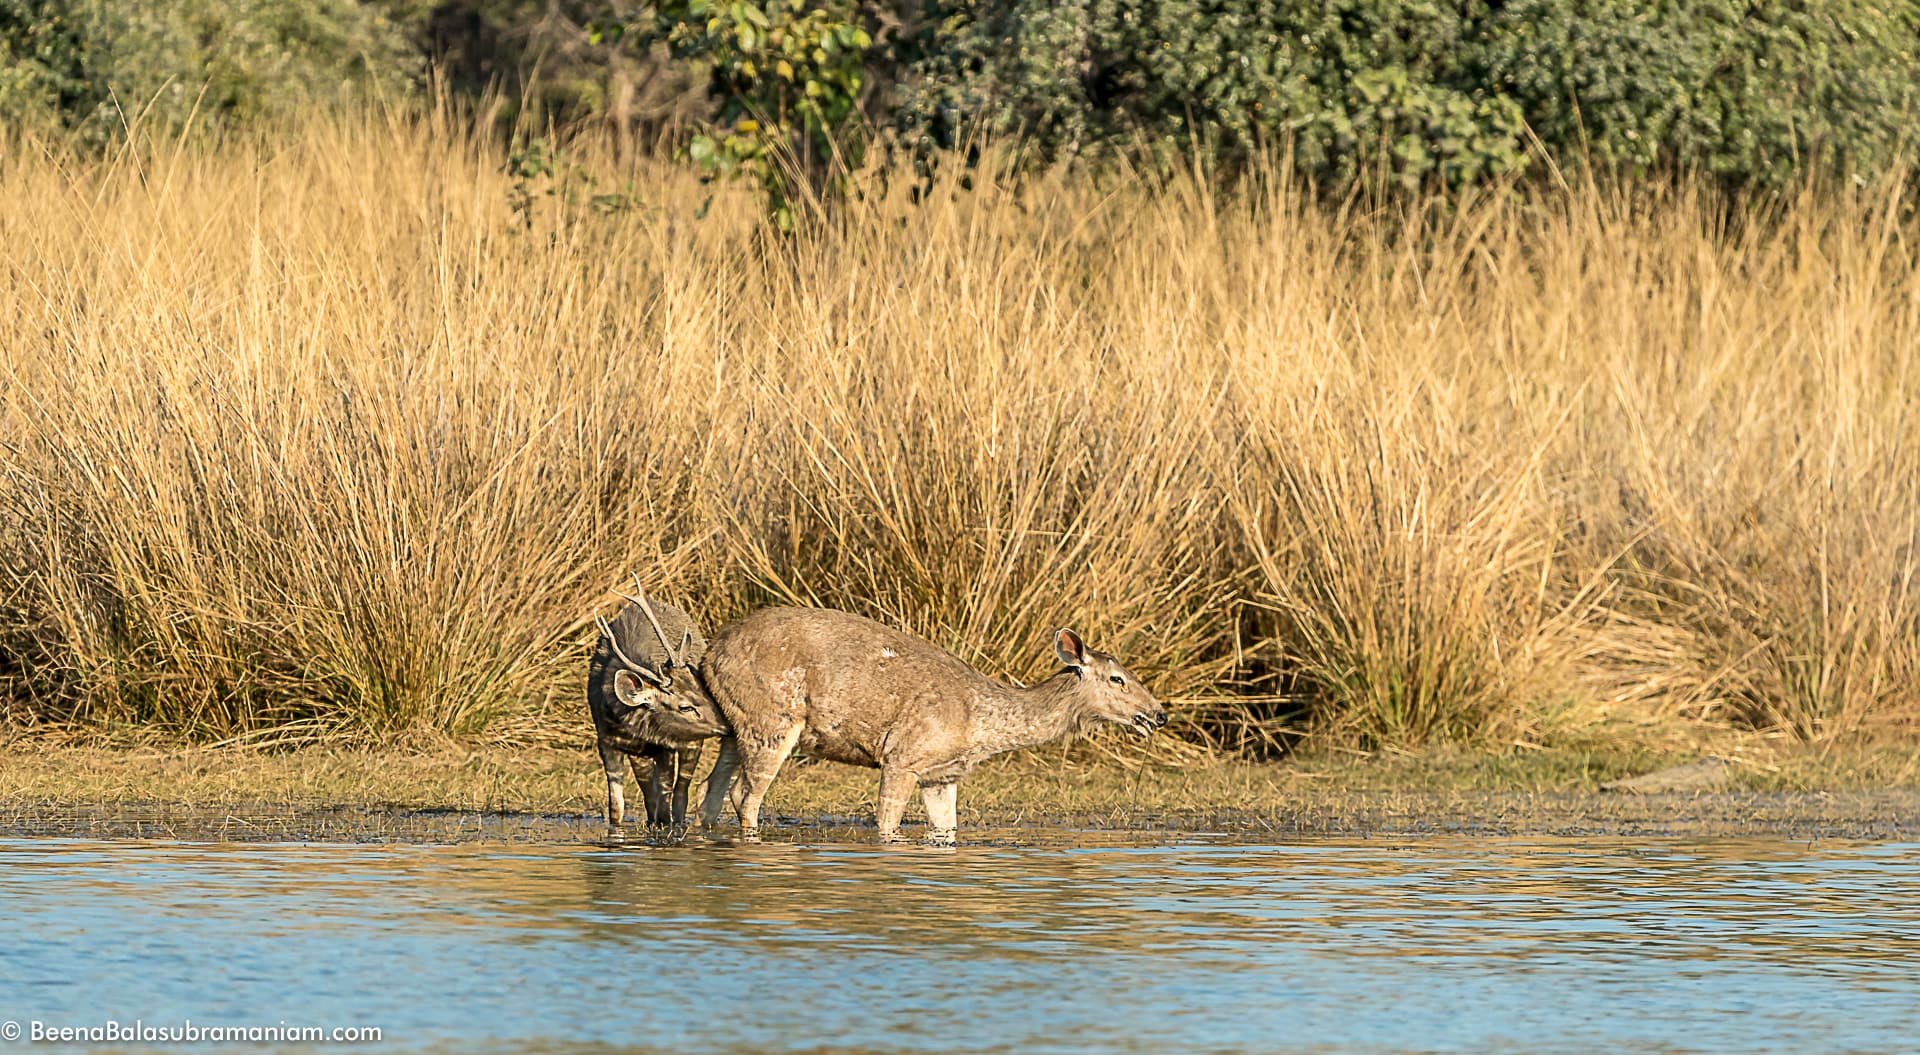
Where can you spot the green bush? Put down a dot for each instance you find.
(1442, 91)
(1756, 93)
(1419, 94)
(42, 61)
(787, 78)
(1351, 85)
(97, 66)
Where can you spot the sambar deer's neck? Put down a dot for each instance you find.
(1006, 718)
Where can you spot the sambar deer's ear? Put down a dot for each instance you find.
(1071, 650)
(627, 689)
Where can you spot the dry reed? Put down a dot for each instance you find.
(313, 437)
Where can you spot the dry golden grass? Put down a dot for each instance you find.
(313, 438)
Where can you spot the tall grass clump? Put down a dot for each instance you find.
(339, 432)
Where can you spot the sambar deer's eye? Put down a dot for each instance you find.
(1117, 679)
(688, 708)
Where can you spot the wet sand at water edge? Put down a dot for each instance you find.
(538, 795)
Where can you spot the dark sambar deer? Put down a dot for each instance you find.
(647, 700)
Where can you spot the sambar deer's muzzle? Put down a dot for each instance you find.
(1145, 723)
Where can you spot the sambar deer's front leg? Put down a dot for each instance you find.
(613, 762)
(896, 783)
(685, 761)
(941, 801)
(760, 761)
(656, 786)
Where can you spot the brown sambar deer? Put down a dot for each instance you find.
(845, 688)
(647, 701)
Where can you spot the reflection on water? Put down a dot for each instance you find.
(1098, 944)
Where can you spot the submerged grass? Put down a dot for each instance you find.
(315, 438)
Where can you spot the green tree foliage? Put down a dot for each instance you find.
(1753, 91)
(43, 70)
(787, 76)
(1349, 84)
(1430, 91)
(789, 94)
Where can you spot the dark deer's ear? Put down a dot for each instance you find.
(1071, 650)
(627, 689)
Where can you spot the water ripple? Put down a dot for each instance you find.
(1097, 945)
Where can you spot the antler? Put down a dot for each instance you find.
(613, 642)
(665, 645)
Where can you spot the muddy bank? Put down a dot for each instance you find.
(1796, 816)
(453, 792)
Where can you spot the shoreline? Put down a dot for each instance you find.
(459, 793)
(1890, 816)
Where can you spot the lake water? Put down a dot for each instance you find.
(1059, 942)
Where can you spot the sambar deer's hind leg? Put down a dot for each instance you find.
(613, 762)
(720, 781)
